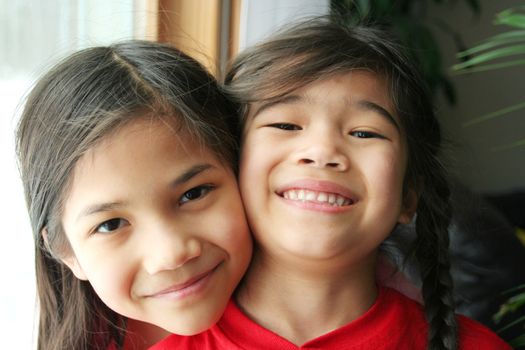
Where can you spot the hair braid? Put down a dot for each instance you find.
(433, 257)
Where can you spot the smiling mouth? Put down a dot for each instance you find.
(188, 287)
(317, 197)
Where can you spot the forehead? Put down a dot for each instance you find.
(139, 158)
(346, 87)
(145, 134)
(362, 87)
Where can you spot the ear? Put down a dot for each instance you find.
(70, 261)
(409, 207)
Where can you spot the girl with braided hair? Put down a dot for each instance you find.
(340, 145)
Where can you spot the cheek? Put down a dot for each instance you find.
(226, 225)
(248, 153)
(227, 229)
(250, 170)
(258, 157)
(233, 228)
(110, 274)
(252, 187)
(386, 175)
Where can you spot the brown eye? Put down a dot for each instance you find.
(111, 225)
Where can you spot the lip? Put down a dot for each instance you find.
(192, 286)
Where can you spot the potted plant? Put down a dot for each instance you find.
(499, 52)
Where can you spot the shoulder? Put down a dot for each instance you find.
(408, 307)
(402, 316)
(474, 335)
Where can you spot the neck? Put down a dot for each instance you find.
(302, 300)
(141, 335)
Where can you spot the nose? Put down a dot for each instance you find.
(323, 150)
(168, 248)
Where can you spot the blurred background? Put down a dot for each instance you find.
(486, 157)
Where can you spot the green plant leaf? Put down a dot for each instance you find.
(492, 55)
(517, 21)
(511, 17)
(488, 67)
(364, 6)
(383, 7)
(512, 304)
(496, 40)
(515, 289)
(515, 144)
(510, 11)
(495, 114)
(498, 317)
(518, 341)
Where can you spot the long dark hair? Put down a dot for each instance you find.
(71, 108)
(317, 48)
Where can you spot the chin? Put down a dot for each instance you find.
(198, 325)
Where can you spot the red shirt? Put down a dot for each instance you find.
(393, 322)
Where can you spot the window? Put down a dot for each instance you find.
(33, 36)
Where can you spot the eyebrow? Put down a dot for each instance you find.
(363, 104)
(191, 173)
(288, 99)
(371, 106)
(179, 180)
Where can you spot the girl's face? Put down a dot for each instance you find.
(322, 170)
(157, 227)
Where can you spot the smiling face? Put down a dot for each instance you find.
(322, 170)
(157, 227)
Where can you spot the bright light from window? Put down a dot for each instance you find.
(33, 36)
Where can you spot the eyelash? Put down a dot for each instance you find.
(110, 221)
(363, 134)
(203, 190)
(285, 126)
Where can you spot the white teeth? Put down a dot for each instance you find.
(319, 197)
(310, 196)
